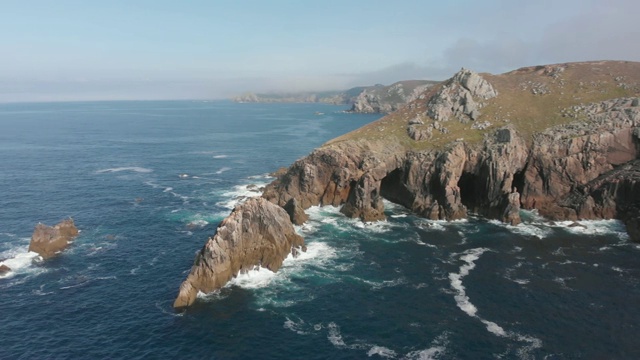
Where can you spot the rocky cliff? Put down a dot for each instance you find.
(387, 99)
(255, 234)
(562, 139)
(49, 240)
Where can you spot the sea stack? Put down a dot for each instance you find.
(257, 233)
(47, 241)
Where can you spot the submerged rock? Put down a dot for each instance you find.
(47, 241)
(256, 233)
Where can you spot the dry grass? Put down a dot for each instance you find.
(517, 104)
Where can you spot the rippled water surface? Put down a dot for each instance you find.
(147, 183)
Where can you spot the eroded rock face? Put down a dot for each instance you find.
(256, 233)
(566, 158)
(49, 240)
(428, 182)
(387, 99)
(461, 97)
(493, 179)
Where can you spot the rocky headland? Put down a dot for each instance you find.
(563, 139)
(387, 99)
(47, 241)
(345, 97)
(363, 99)
(257, 233)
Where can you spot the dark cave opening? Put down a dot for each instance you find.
(393, 189)
(468, 184)
(518, 181)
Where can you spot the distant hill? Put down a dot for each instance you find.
(325, 97)
(364, 99)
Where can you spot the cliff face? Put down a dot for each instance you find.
(49, 240)
(575, 163)
(387, 99)
(256, 233)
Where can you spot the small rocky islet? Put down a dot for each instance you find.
(563, 139)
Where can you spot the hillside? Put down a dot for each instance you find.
(531, 98)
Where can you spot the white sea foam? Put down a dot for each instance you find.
(594, 227)
(431, 353)
(126, 168)
(223, 169)
(437, 349)
(239, 193)
(167, 189)
(220, 156)
(334, 336)
(256, 278)
(464, 303)
(297, 327)
(382, 352)
(539, 230)
(19, 260)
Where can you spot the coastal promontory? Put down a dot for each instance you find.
(562, 139)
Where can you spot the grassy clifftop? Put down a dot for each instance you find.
(531, 98)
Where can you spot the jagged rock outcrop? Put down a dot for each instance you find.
(256, 233)
(387, 99)
(345, 173)
(461, 97)
(566, 158)
(47, 241)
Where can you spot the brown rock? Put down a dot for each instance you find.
(4, 269)
(256, 233)
(49, 240)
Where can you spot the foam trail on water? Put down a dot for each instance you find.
(220, 156)
(224, 169)
(126, 168)
(464, 303)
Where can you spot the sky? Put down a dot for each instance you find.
(206, 49)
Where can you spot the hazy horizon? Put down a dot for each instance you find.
(151, 50)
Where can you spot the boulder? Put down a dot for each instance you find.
(47, 241)
(4, 269)
(257, 233)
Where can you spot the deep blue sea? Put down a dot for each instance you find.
(147, 183)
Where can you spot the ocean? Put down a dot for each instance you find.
(148, 182)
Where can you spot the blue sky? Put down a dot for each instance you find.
(105, 50)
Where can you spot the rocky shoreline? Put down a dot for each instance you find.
(526, 148)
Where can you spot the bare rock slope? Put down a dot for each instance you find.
(256, 233)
